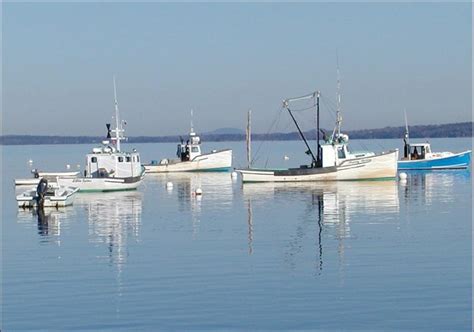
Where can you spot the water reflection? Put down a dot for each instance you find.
(48, 221)
(217, 192)
(250, 226)
(216, 187)
(114, 219)
(425, 188)
(329, 209)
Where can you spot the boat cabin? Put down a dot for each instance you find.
(191, 149)
(416, 151)
(334, 155)
(106, 161)
(335, 151)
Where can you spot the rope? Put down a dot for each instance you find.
(273, 124)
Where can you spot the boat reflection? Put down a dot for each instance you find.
(216, 187)
(48, 220)
(425, 188)
(217, 192)
(328, 210)
(114, 219)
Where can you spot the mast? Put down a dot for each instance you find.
(118, 125)
(337, 129)
(407, 134)
(249, 138)
(192, 126)
(318, 154)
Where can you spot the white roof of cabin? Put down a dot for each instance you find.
(420, 144)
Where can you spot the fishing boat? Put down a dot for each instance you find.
(47, 195)
(108, 168)
(333, 159)
(419, 156)
(191, 159)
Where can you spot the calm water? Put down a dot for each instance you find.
(352, 255)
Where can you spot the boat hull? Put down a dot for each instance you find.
(50, 176)
(379, 166)
(30, 199)
(103, 184)
(220, 161)
(455, 161)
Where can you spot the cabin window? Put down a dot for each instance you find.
(93, 159)
(415, 153)
(128, 159)
(341, 154)
(138, 158)
(194, 149)
(120, 159)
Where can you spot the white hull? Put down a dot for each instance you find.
(379, 166)
(29, 182)
(214, 161)
(64, 198)
(101, 184)
(50, 176)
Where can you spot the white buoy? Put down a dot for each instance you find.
(286, 157)
(402, 176)
(68, 166)
(198, 192)
(233, 175)
(169, 185)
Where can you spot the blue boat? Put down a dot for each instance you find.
(419, 156)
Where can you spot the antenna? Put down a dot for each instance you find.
(407, 133)
(118, 124)
(192, 129)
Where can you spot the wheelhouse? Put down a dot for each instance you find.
(417, 151)
(191, 149)
(107, 161)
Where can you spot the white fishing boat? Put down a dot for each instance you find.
(108, 168)
(191, 159)
(333, 159)
(46, 195)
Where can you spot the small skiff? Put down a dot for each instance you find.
(54, 196)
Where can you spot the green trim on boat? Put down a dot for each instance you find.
(104, 190)
(375, 179)
(220, 169)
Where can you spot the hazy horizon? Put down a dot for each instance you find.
(220, 59)
(223, 131)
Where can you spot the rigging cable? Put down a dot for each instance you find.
(273, 124)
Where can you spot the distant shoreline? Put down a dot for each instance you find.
(463, 129)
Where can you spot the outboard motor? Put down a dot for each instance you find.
(41, 191)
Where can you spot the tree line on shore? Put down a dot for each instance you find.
(463, 129)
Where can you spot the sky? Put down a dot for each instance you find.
(221, 59)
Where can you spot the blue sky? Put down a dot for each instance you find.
(222, 59)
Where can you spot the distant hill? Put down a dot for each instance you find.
(463, 129)
(226, 131)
